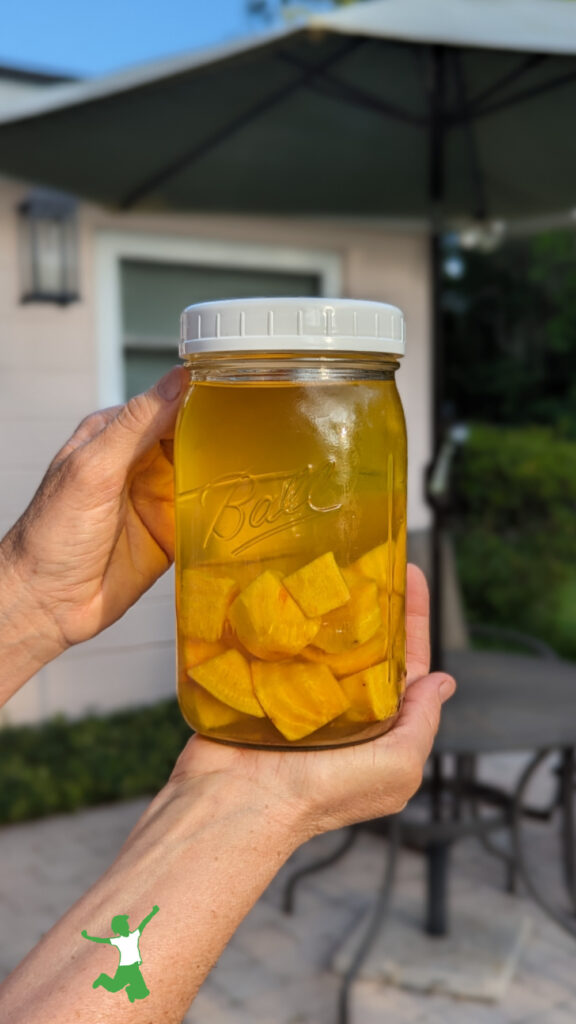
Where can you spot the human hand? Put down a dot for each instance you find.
(320, 790)
(99, 530)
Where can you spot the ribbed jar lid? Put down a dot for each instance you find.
(292, 325)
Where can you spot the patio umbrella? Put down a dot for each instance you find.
(340, 113)
(442, 110)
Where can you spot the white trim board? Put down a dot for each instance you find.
(113, 247)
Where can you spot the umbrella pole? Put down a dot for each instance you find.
(436, 188)
(437, 854)
(436, 532)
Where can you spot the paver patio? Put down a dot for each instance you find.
(276, 969)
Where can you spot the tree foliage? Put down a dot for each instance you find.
(510, 324)
(515, 531)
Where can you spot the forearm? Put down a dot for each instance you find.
(28, 636)
(203, 852)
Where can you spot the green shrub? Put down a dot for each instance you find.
(516, 532)
(60, 766)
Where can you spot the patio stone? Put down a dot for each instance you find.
(564, 1014)
(475, 961)
(275, 969)
(367, 1004)
(311, 1001)
(532, 995)
(209, 1007)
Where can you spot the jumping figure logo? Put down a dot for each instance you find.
(128, 974)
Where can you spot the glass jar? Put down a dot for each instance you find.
(290, 469)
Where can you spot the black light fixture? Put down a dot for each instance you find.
(49, 247)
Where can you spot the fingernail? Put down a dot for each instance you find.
(170, 385)
(446, 688)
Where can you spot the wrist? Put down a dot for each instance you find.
(206, 800)
(28, 635)
(267, 783)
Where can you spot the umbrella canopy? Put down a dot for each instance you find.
(385, 108)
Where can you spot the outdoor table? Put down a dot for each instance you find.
(507, 702)
(504, 703)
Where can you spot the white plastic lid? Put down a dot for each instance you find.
(292, 325)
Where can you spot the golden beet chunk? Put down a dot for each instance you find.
(378, 648)
(228, 678)
(375, 565)
(353, 576)
(194, 652)
(204, 711)
(352, 624)
(298, 698)
(204, 603)
(268, 621)
(372, 693)
(318, 587)
(354, 660)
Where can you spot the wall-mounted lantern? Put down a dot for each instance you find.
(49, 247)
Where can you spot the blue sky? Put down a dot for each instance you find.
(90, 38)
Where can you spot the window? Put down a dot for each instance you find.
(145, 280)
(154, 294)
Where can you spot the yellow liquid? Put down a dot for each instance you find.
(270, 476)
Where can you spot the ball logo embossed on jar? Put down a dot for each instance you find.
(266, 504)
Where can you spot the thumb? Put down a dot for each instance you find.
(144, 420)
(420, 715)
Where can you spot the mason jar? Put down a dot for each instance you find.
(290, 498)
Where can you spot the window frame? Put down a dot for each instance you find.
(113, 247)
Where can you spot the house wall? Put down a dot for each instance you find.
(49, 373)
